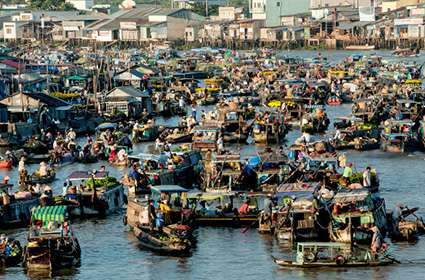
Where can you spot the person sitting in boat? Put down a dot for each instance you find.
(122, 156)
(72, 193)
(113, 154)
(47, 190)
(43, 170)
(71, 135)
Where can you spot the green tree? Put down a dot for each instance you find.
(51, 5)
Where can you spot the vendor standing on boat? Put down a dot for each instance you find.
(348, 172)
(366, 177)
(21, 165)
(377, 241)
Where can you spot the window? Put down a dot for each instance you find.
(9, 30)
(278, 4)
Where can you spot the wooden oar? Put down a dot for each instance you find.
(392, 259)
(250, 225)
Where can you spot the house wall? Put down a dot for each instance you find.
(226, 13)
(10, 30)
(250, 30)
(275, 9)
(145, 33)
(103, 35)
(389, 6)
(258, 9)
(159, 31)
(191, 33)
(176, 28)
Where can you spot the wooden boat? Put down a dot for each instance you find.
(161, 242)
(101, 196)
(205, 138)
(52, 244)
(397, 136)
(222, 210)
(6, 164)
(360, 47)
(137, 209)
(356, 225)
(14, 258)
(19, 212)
(408, 52)
(36, 179)
(34, 158)
(179, 138)
(329, 254)
(36, 147)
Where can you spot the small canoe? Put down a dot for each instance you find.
(35, 179)
(289, 263)
(162, 243)
(360, 47)
(6, 164)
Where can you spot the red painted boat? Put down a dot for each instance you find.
(334, 101)
(6, 164)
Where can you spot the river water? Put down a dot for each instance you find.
(110, 251)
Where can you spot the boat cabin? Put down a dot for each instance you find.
(223, 173)
(96, 191)
(205, 138)
(397, 136)
(354, 213)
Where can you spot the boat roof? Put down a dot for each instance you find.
(350, 196)
(323, 244)
(168, 189)
(50, 213)
(84, 175)
(206, 128)
(106, 126)
(150, 157)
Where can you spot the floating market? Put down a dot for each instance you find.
(150, 155)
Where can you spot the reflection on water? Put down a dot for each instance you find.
(110, 251)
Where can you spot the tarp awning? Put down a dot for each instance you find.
(50, 213)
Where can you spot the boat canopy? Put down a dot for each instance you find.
(50, 213)
(168, 189)
(105, 126)
(84, 175)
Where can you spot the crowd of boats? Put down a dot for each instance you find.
(305, 193)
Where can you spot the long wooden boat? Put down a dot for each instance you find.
(289, 263)
(36, 179)
(51, 241)
(18, 213)
(333, 254)
(6, 164)
(360, 47)
(162, 242)
(108, 198)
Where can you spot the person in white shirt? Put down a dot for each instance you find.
(21, 165)
(366, 177)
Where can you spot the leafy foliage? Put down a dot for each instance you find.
(51, 5)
